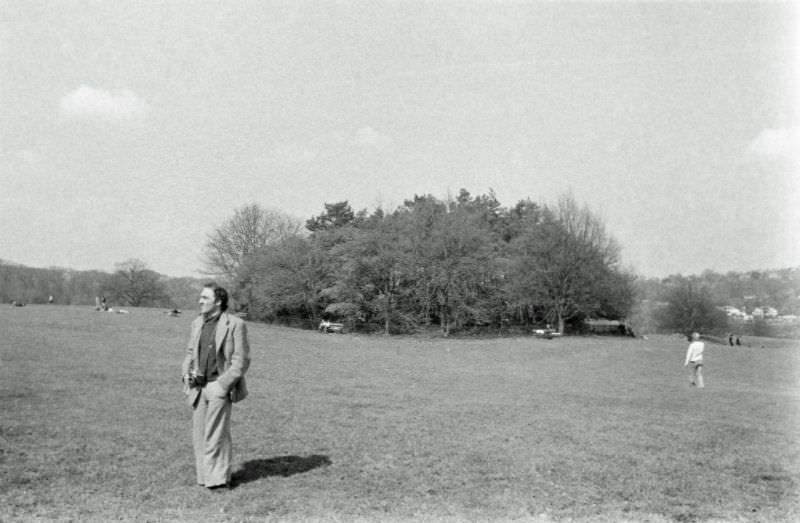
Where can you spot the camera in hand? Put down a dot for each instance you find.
(198, 379)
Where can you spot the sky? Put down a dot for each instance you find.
(132, 129)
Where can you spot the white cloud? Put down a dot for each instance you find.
(776, 143)
(369, 137)
(89, 102)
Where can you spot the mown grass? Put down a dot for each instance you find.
(344, 428)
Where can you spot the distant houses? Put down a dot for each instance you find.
(733, 312)
(758, 313)
(765, 313)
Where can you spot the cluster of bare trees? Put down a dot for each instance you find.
(36, 285)
(461, 263)
(132, 283)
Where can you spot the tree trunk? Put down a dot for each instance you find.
(387, 312)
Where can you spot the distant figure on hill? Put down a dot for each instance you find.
(103, 303)
(694, 355)
(97, 303)
(50, 300)
(738, 341)
(730, 339)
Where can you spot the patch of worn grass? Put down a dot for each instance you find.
(353, 428)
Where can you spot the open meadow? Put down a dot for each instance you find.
(344, 427)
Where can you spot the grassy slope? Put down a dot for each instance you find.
(338, 427)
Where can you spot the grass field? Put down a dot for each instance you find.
(345, 428)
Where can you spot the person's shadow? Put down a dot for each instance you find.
(281, 466)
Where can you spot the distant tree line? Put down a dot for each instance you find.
(778, 288)
(131, 284)
(461, 264)
(693, 303)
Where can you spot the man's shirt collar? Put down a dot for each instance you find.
(212, 316)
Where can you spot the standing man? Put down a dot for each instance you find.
(694, 355)
(213, 375)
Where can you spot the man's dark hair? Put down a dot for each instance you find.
(220, 294)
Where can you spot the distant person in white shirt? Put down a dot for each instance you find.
(694, 355)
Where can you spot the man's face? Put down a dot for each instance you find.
(207, 303)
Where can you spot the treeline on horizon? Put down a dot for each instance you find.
(131, 284)
(463, 264)
(459, 265)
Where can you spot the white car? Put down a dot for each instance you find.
(546, 333)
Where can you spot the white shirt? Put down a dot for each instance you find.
(694, 353)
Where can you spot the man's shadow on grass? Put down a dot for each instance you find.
(284, 466)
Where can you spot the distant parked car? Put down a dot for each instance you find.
(547, 333)
(328, 327)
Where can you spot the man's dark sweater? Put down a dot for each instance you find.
(207, 363)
